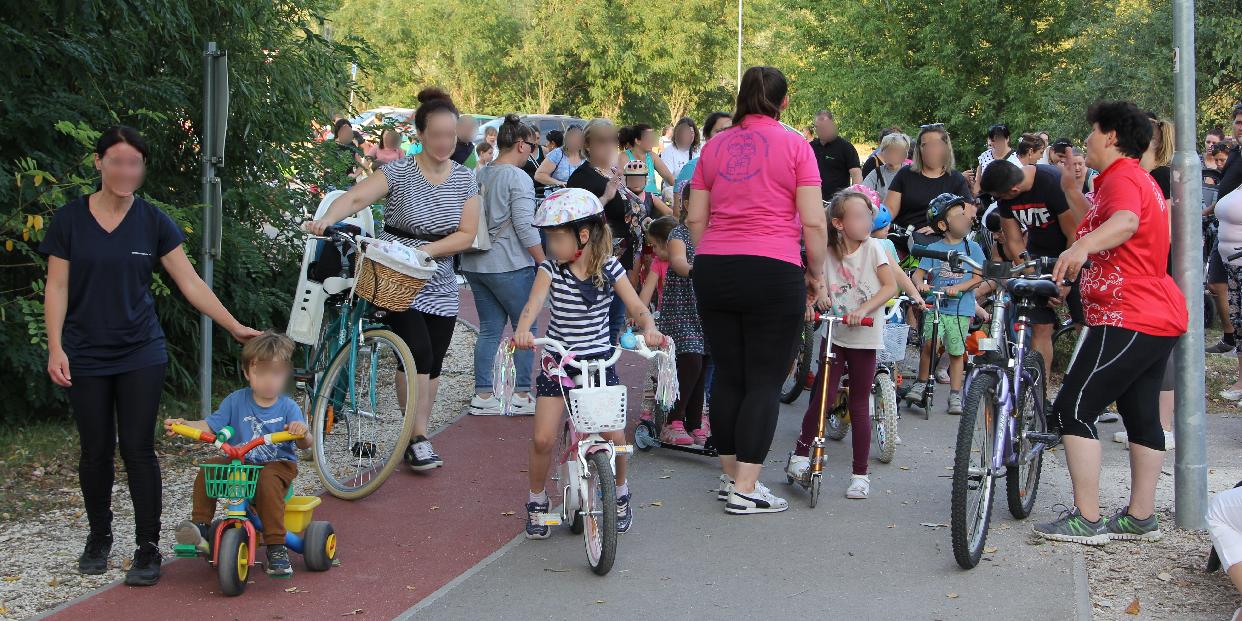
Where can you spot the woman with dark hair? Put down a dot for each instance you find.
(754, 198)
(1030, 149)
(715, 123)
(346, 158)
(501, 277)
(685, 146)
(599, 176)
(105, 343)
(639, 143)
(431, 203)
(554, 139)
(562, 161)
(931, 174)
(998, 149)
(1135, 313)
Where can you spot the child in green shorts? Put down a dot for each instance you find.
(947, 216)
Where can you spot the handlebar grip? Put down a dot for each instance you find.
(866, 321)
(924, 252)
(194, 434)
(283, 436)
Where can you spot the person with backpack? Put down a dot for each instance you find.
(501, 276)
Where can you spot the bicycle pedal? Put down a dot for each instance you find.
(363, 450)
(547, 519)
(1049, 440)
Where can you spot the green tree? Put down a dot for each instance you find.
(79, 67)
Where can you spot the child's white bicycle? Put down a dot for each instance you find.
(587, 471)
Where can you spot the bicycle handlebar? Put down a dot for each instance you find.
(221, 439)
(641, 349)
(956, 259)
(866, 321)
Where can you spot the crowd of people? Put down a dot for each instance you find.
(724, 237)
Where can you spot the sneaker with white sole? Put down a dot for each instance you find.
(523, 405)
(724, 489)
(797, 466)
(942, 376)
(1126, 527)
(762, 500)
(955, 403)
(421, 456)
(916, 392)
(1108, 417)
(859, 487)
(480, 406)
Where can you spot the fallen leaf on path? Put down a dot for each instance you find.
(951, 595)
(53, 582)
(435, 507)
(1164, 577)
(410, 587)
(356, 611)
(556, 571)
(11, 578)
(1133, 608)
(931, 525)
(989, 549)
(507, 513)
(904, 467)
(892, 526)
(295, 590)
(666, 477)
(656, 503)
(599, 601)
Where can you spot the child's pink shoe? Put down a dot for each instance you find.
(675, 433)
(700, 436)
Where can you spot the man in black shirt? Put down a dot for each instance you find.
(1031, 198)
(466, 127)
(836, 157)
(1231, 175)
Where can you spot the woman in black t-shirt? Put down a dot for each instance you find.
(930, 175)
(597, 176)
(105, 343)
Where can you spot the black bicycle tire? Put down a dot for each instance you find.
(966, 555)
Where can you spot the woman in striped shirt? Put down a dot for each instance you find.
(582, 278)
(431, 203)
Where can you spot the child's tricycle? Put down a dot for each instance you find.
(232, 543)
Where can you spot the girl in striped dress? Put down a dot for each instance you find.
(582, 278)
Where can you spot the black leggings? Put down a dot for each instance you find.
(1115, 365)
(691, 376)
(752, 310)
(428, 337)
(120, 406)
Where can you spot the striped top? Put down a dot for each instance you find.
(580, 309)
(416, 205)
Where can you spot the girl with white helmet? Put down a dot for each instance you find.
(582, 277)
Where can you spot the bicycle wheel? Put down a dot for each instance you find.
(1022, 480)
(601, 517)
(973, 482)
(361, 431)
(884, 416)
(795, 382)
(837, 421)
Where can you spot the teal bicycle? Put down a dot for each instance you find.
(357, 375)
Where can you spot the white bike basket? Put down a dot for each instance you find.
(895, 335)
(598, 409)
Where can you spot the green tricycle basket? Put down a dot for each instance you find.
(232, 480)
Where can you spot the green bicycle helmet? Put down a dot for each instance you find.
(940, 206)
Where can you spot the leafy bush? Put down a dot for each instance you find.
(76, 68)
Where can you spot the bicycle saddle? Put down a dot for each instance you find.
(1032, 287)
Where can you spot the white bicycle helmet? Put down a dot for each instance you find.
(567, 206)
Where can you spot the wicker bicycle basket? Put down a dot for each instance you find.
(386, 287)
(232, 480)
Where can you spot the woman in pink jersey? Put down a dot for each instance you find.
(755, 196)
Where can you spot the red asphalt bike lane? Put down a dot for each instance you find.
(396, 546)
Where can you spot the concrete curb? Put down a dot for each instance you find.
(1082, 588)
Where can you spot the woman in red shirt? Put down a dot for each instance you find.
(1135, 314)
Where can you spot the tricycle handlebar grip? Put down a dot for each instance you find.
(194, 434)
(283, 436)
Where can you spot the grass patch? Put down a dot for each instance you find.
(37, 461)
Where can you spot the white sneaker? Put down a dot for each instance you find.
(725, 488)
(522, 406)
(1169, 444)
(762, 500)
(860, 485)
(942, 376)
(485, 407)
(955, 403)
(1108, 417)
(797, 466)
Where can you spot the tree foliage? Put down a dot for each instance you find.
(77, 67)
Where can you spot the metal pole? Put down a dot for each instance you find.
(739, 45)
(209, 191)
(1190, 421)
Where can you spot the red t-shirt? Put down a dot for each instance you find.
(1129, 286)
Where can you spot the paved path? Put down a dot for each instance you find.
(441, 546)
